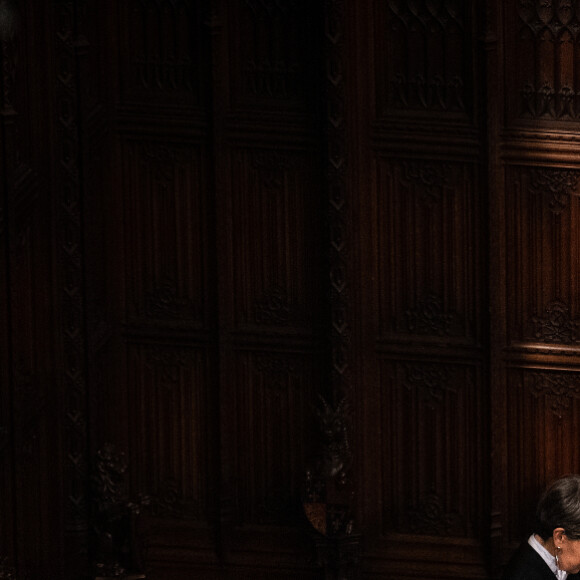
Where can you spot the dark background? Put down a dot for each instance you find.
(212, 213)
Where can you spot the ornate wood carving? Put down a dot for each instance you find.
(272, 396)
(429, 179)
(70, 276)
(117, 552)
(430, 318)
(557, 325)
(540, 401)
(422, 401)
(7, 572)
(430, 517)
(431, 382)
(547, 41)
(555, 185)
(426, 235)
(163, 47)
(543, 204)
(558, 389)
(329, 493)
(269, 69)
(274, 273)
(171, 431)
(339, 202)
(166, 196)
(431, 74)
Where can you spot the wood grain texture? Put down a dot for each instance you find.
(212, 213)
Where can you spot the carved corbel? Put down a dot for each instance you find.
(117, 553)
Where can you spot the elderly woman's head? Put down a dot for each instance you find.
(558, 522)
(559, 507)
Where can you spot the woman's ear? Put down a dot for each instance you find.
(558, 534)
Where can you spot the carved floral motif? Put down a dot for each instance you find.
(429, 318)
(272, 308)
(271, 167)
(429, 517)
(431, 381)
(276, 370)
(560, 389)
(556, 326)
(429, 179)
(165, 302)
(555, 185)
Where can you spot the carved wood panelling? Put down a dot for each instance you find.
(271, 418)
(433, 454)
(31, 390)
(14, 94)
(70, 279)
(270, 65)
(28, 429)
(339, 204)
(429, 250)
(276, 240)
(543, 414)
(172, 429)
(424, 58)
(295, 202)
(7, 497)
(165, 223)
(542, 206)
(161, 53)
(542, 54)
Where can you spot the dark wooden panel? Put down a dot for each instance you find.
(160, 55)
(34, 396)
(429, 252)
(270, 60)
(166, 247)
(542, 47)
(424, 59)
(69, 325)
(7, 491)
(543, 414)
(424, 383)
(28, 384)
(270, 429)
(275, 240)
(433, 450)
(541, 208)
(534, 257)
(172, 431)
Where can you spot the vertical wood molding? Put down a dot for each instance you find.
(338, 197)
(7, 464)
(495, 115)
(71, 298)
